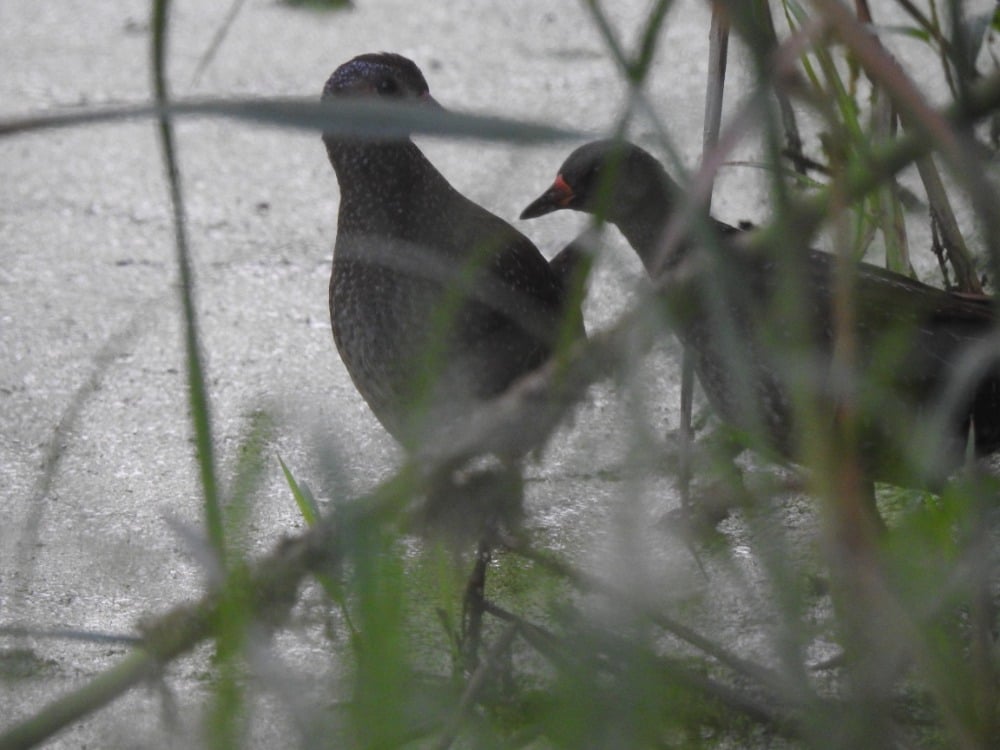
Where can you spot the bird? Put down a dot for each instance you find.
(436, 304)
(926, 369)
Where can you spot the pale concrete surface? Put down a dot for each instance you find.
(96, 464)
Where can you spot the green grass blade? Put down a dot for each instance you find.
(197, 393)
(303, 497)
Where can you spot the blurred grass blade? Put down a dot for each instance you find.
(217, 39)
(650, 39)
(914, 32)
(246, 482)
(942, 213)
(197, 392)
(69, 634)
(372, 119)
(889, 208)
(310, 512)
(303, 497)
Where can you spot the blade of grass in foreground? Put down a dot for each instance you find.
(217, 39)
(197, 393)
(373, 119)
(307, 506)
(303, 498)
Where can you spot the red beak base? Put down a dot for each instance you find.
(557, 197)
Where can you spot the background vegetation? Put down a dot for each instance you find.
(873, 641)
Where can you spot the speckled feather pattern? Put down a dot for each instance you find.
(411, 253)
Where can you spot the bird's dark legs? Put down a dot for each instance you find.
(473, 607)
(719, 487)
(726, 489)
(476, 504)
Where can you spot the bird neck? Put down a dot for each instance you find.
(384, 178)
(361, 163)
(642, 222)
(643, 234)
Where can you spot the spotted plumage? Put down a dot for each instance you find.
(436, 303)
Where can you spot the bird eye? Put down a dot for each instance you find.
(387, 86)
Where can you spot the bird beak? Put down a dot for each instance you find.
(426, 100)
(559, 196)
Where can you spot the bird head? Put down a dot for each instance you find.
(385, 75)
(608, 177)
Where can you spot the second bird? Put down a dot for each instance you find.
(762, 330)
